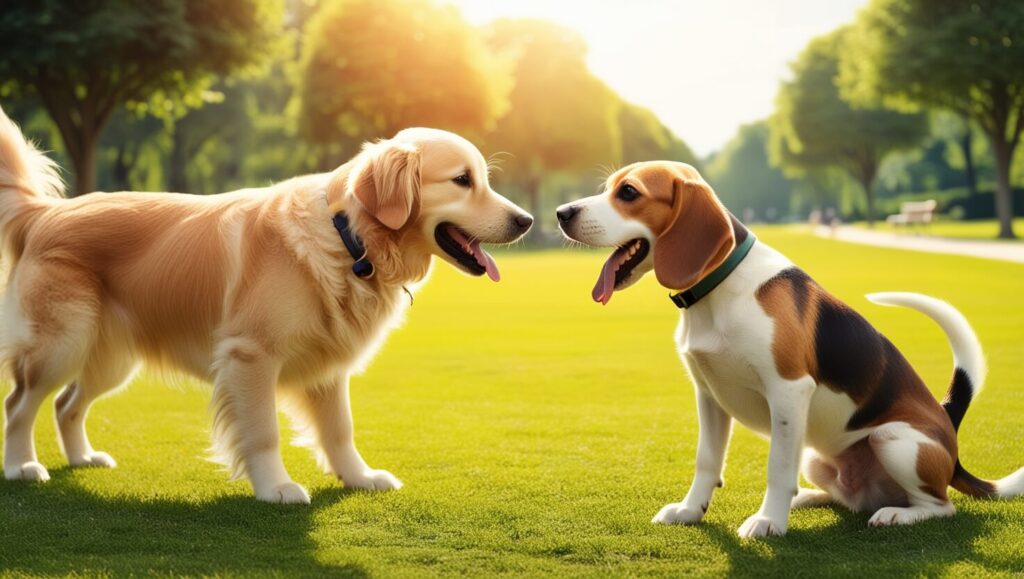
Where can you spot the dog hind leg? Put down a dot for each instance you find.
(921, 466)
(106, 369)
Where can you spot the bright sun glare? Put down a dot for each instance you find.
(703, 67)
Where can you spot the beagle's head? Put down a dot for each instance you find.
(431, 186)
(658, 215)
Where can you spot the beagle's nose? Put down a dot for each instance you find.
(565, 213)
(523, 221)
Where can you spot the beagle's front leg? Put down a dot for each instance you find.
(788, 402)
(715, 427)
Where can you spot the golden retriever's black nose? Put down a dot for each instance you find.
(523, 221)
(565, 213)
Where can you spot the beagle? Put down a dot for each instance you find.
(766, 345)
(278, 293)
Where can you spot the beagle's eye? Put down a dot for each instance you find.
(463, 181)
(627, 193)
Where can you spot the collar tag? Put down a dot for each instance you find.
(687, 298)
(362, 267)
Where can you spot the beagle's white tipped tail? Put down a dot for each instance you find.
(969, 374)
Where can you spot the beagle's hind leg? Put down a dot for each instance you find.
(920, 465)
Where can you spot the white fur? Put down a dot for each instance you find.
(1011, 486)
(967, 352)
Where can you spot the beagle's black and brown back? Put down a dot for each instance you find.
(818, 335)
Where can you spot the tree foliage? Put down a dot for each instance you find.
(85, 59)
(745, 180)
(967, 57)
(374, 67)
(814, 127)
(561, 117)
(645, 138)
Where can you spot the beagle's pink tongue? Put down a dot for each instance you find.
(473, 248)
(605, 286)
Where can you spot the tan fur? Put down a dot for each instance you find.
(793, 339)
(251, 290)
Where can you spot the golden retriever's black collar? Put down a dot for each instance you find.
(362, 267)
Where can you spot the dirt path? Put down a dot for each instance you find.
(1001, 250)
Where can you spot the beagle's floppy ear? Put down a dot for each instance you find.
(387, 182)
(698, 239)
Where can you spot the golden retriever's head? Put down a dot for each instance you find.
(662, 205)
(432, 186)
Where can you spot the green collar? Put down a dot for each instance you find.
(687, 298)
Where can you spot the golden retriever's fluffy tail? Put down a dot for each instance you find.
(27, 176)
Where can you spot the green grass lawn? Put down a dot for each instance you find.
(981, 229)
(537, 433)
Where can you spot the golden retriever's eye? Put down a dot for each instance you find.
(627, 193)
(463, 180)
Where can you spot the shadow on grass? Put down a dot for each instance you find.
(849, 547)
(61, 528)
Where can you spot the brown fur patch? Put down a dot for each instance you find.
(935, 469)
(793, 307)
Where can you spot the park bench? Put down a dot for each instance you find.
(914, 213)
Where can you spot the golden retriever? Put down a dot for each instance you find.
(253, 291)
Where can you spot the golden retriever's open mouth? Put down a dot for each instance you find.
(466, 251)
(619, 267)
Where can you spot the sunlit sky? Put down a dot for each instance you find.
(704, 66)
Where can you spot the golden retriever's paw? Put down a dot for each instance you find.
(677, 514)
(289, 493)
(373, 480)
(95, 459)
(30, 471)
(760, 526)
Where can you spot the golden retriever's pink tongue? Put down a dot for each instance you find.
(482, 257)
(605, 286)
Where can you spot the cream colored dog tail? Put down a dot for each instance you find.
(28, 180)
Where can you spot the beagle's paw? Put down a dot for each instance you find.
(30, 471)
(760, 526)
(373, 480)
(677, 514)
(289, 493)
(888, 516)
(95, 458)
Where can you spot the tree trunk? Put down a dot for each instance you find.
(122, 168)
(1004, 195)
(177, 180)
(969, 171)
(870, 193)
(83, 158)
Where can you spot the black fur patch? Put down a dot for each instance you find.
(850, 353)
(961, 391)
(801, 285)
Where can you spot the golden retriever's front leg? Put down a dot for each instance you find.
(245, 428)
(325, 412)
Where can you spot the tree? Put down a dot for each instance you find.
(967, 57)
(374, 67)
(744, 179)
(85, 59)
(561, 117)
(814, 127)
(645, 138)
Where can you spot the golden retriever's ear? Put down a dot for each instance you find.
(387, 182)
(698, 240)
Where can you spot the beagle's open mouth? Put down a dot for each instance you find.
(466, 251)
(619, 267)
